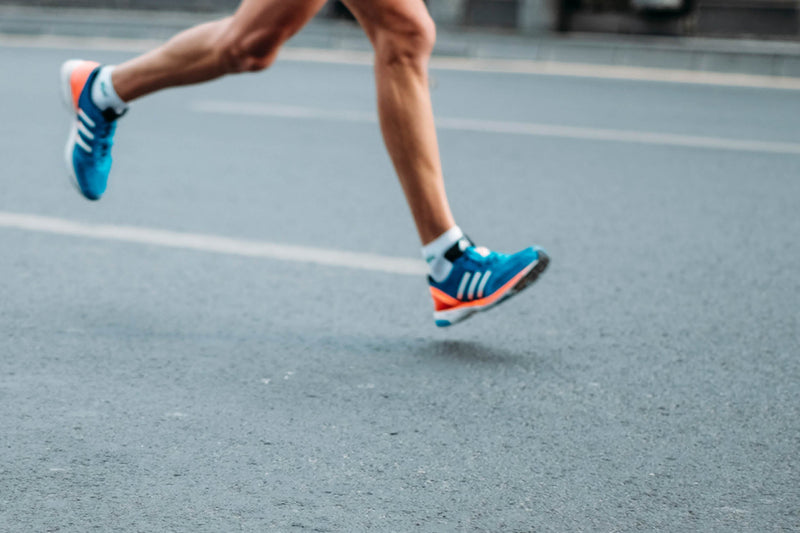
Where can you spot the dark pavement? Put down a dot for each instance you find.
(649, 381)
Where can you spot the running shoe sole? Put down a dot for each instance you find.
(66, 97)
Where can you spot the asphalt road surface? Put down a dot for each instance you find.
(649, 381)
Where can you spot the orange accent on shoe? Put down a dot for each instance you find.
(78, 77)
(443, 301)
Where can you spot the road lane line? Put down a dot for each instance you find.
(503, 127)
(616, 72)
(214, 244)
(61, 42)
(500, 66)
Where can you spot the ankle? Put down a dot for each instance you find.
(435, 253)
(104, 95)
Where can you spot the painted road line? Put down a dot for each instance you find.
(503, 127)
(558, 68)
(59, 42)
(214, 244)
(501, 66)
(616, 72)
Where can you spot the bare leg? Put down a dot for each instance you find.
(247, 41)
(403, 34)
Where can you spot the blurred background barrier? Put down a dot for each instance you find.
(724, 18)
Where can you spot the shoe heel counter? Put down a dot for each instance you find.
(441, 300)
(80, 72)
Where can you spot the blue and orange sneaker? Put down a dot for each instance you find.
(88, 150)
(481, 279)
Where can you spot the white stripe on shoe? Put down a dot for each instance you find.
(475, 279)
(80, 142)
(83, 129)
(84, 117)
(463, 285)
(483, 283)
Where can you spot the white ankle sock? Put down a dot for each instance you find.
(433, 253)
(103, 94)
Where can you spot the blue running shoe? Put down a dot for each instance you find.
(88, 150)
(481, 279)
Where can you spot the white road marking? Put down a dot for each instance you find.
(214, 244)
(616, 72)
(59, 42)
(505, 127)
(558, 68)
(505, 66)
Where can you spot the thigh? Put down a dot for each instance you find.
(398, 16)
(284, 16)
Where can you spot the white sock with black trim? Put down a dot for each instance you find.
(103, 94)
(434, 251)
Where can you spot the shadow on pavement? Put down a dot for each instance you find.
(472, 352)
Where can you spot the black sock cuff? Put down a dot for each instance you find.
(457, 250)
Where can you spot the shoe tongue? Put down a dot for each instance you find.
(482, 251)
(457, 250)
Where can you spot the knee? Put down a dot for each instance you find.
(409, 42)
(251, 51)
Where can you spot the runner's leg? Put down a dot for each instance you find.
(402, 33)
(463, 279)
(247, 41)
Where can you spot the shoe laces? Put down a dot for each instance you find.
(480, 255)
